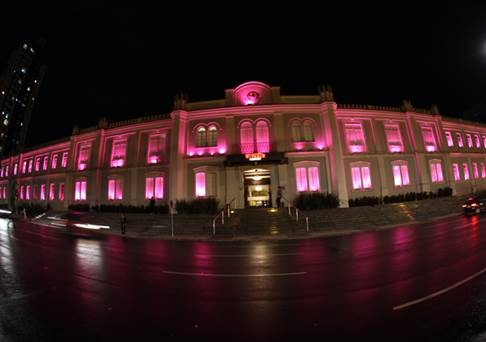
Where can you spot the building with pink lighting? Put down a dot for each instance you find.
(242, 147)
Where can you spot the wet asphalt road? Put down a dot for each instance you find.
(410, 283)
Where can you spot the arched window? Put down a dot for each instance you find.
(262, 136)
(201, 137)
(246, 137)
(212, 135)
(296, 131)
(308, 130)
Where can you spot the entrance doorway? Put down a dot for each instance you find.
(258, 191)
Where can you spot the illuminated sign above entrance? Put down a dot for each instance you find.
(255, 156)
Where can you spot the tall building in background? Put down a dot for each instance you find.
(20, 83)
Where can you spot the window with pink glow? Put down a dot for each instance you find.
(54, 161)
(156, 148)
(154, 187)
(64, 161)
(52, 191)
(246, 137)
(201, 137)
(449, 140)
(483, 170)
(484, 141)
(115, 189)
(24, 167)
(430, 144)
(45, 163)
(21, 194)
(80, 190)
(313, 178)
(1, 172)
(354, 137)
(16, 166)
(43, 192)
(262, 137)
(4, 192)
(308, 128)
(61, 191)
(200, 184)
(455, 171)
(469, 140)
(7, 170)
(477, 141)
(29, 166)
(118, 153)
(460, 142)
(361, 176)
(465, 169)
(400, 173)
(83, 157)
(436, 171)
(393, 138)
(475, 170)
(301, 179)
(212, 135)
(27, 192)
(37, 163)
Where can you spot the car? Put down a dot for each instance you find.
(474, 205)
(75, 222)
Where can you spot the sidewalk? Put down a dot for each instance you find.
(320, 222)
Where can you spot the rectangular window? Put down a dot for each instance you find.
(301, 178)
(154, 187)
(43, 192)
(52, 191)
(484, 141)
(465, 169)
(61, 191)
(115, 189)
(156, 147)
(400, 174)
(83, 157)
(469, 140)
(29, 167)
(24, 167)
(6, 170)
(449, 140)
(16, 166)
(21, 195)
(80, 190)
(460, 142)
(54, 161)
(455, 171)
(483, 170)
(429, 139)
(27, 192)
(64, 161)
(37, 164)
(307, 179)
(355, 137)
(45, 163)
(118, 153)
(361, 177)
(393, 138)
(4, 192)
(477, 141)
(200, 184)
(475, 170)
(436, 172)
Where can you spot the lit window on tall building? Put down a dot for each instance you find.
(354, 137)
(436, 171)
(460, 142)
(465, 170)
(52, 191)
(475, 170)
(393, 138)
(43, 192)
(428, 135)
(118, 153)
(449, 140)
(156, 148)
(64, 161)
(54, 161)
(80, 190)
(307, 178)
(83, 157)
(455, 172)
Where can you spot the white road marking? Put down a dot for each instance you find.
(235, 275)
(438, 293)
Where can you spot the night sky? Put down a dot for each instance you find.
(127, 61)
